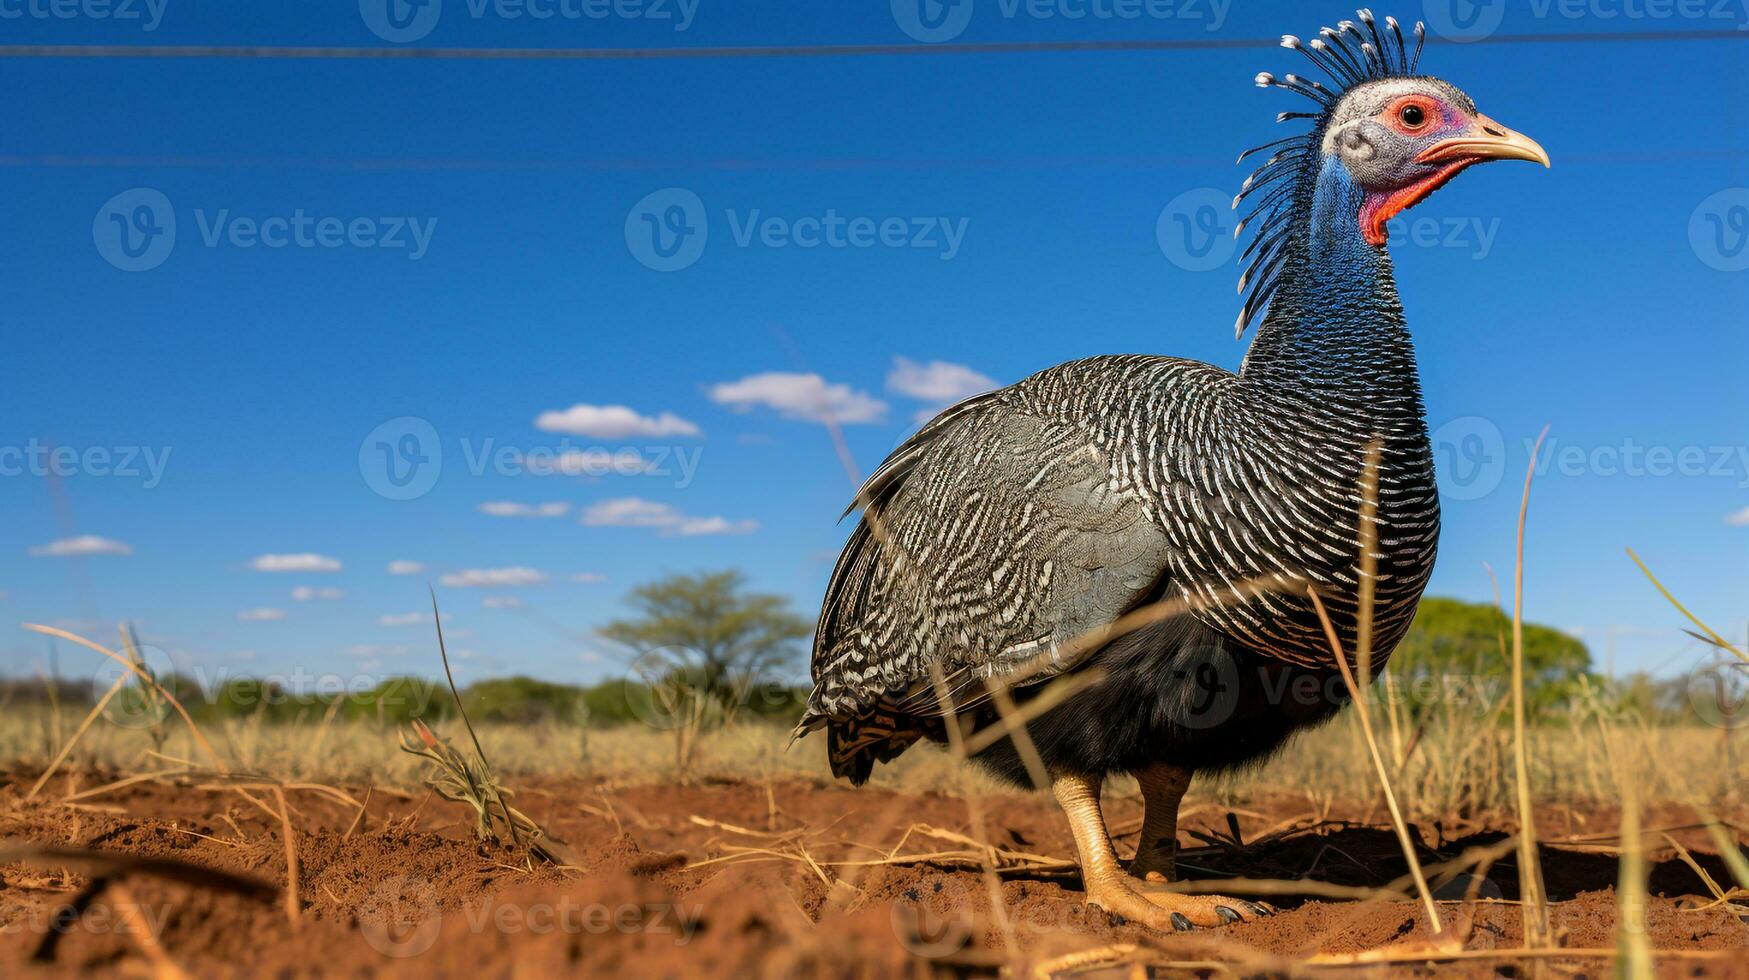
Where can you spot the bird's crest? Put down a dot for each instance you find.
(1350, 54)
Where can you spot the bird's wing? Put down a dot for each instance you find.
(988, 542)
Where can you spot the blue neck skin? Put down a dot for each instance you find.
(1335, 326)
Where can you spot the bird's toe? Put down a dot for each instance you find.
(1170, 911)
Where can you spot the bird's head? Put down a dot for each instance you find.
(1401, 139)
(1397, 136)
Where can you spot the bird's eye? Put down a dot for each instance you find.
(1413, 116)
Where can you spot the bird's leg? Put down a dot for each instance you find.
(1114, 891)
(1163, 787)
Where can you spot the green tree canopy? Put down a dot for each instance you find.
(710, 628)
(1451, 637)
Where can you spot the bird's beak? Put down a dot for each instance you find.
(1487, 140)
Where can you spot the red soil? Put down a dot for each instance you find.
(410, 891)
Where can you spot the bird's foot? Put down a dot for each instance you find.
(1153, 905)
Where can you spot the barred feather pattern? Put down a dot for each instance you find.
(1052, 507)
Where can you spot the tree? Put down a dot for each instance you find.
(1450, 638)
(707, 627)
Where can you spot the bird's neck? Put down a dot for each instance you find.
(1335, 328)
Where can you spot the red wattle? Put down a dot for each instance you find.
(1378, 209)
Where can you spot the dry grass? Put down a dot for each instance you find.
(1460, 763)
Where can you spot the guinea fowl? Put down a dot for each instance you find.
(1150, 525)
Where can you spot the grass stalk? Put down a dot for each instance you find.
(1532, 893)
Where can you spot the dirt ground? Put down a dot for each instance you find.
(730, 879)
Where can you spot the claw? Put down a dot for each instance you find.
(1258, 908)
(1181, 923)
(1227, 914)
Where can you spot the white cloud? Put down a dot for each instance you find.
(630, 512)
(581, 578)
(937, 382)
(502, 602)
(84, 544)
(377, 650)
(305, 593)
(403, 567)
(506, 508)
(262, 615)
(404, 619)
(693, 527)
(1738, 519)
(585, 462)
(638, 512)
(806, 397)
(295, 563)
(494, 578)
(613, 422)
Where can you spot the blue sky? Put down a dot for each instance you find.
(475, 253)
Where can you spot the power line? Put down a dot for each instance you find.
(560, 165)
(236, 51)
